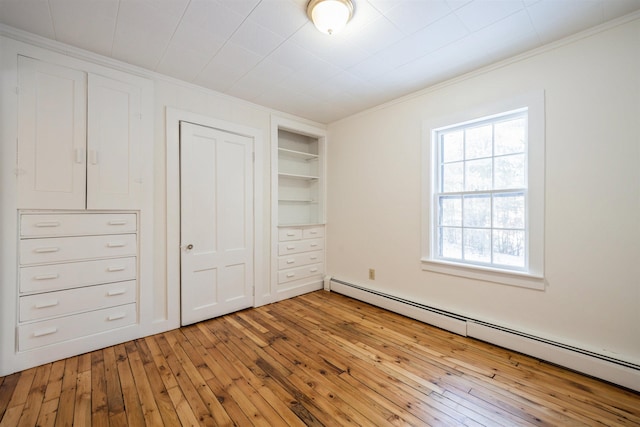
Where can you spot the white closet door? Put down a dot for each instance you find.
(114, 146)
(51, 136)
(216, 185)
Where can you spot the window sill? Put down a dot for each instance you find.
(512, 278)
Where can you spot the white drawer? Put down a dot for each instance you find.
(73, 224)
(46, 332)
(60, 303)
(312, 232)
(59, 249)
(44, 278)
(298, 246)
(285, 234)
(298, 260)
(300, 273)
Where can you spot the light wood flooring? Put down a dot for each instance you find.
(320, 359)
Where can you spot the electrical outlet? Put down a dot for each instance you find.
(372, 274)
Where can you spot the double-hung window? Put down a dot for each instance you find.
(484, 198)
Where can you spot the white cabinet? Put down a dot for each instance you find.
(77, 277)
(300, 256)
(113, 144)
(79, 139)
(298, 208)
(52, 136)
(76, 206)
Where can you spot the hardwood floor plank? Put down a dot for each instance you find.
(115, 397)
(192, 364)
(64, 418)
(198, 407)
(32, 406)
(320, 359)
(220, 381)
(99, 407)
(130, 395)
(156, 385)
(148, 405)
(48, 413)
(21, 390)
(7, 389)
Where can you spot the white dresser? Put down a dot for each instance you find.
(77, 275)
(300, 256)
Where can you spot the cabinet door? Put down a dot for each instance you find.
(51, 136)
(114, 152)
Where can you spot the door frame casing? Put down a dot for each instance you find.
(173, 281)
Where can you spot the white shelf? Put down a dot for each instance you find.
(295, 176)
(297, 201)
(300, 224)
(298, 154)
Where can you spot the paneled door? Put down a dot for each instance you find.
(113, 143)
(52, 136)
(216, 196)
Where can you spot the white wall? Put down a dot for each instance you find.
(592, 202)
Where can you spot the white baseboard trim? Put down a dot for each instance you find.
(600, 366)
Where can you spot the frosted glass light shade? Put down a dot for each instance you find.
(330, 16)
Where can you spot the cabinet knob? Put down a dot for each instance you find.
(189, 246)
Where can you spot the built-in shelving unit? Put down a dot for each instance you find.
(297, 208)
(300, 178)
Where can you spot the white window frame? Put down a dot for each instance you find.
(532, 276)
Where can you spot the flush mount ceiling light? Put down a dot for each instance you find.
(330, 16)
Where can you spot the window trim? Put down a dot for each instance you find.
(533, 278)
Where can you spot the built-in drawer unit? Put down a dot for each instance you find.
(61, 303)
(300, 273)
(51, 277)
(78, 275)
(286, 234)
(56, 330)
(300, 255)
(298, 260)
(76, 224)
(295, 247)
(59, 249)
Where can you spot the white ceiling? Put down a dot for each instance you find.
(267, 52)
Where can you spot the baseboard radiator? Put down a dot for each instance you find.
(601, 366)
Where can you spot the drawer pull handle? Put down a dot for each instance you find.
(116, 244)
(116, 317)
(289, 275)
(313, 257)
(46, 277)
(118, 222)
(113, 269)
(313, 270)
(48, 224)
(313, 245)
(44, 332)
(290, 234)
(46, 250)
(313, 232)
(51, 303)
(79, 155)
(291, 247)
(114, 292)
(93, 155)
(291, 261)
